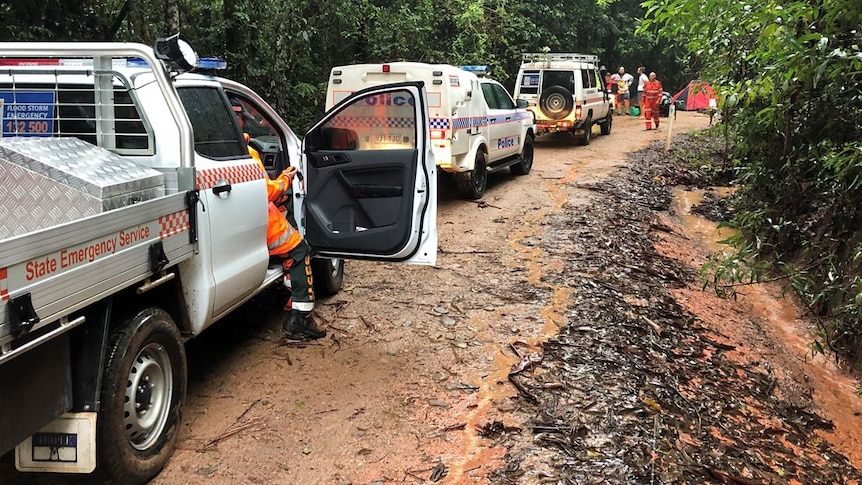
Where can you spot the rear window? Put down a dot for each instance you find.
(590, 78)
(216, 135)
(564, 79)
(67, 110)
(529, 82)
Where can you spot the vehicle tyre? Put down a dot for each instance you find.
(328, 275)
(143, 391)
(524, 166)
(556, 102)
(472, 184)
(587, 137)
(607, 124)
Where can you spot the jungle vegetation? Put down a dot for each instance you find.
(790, 79)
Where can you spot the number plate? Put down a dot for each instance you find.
(67, 445)
(389, 139)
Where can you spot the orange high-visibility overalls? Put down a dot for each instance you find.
(651, 99)
(285, 242)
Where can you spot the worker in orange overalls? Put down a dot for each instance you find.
(285, 242)
(651, 99)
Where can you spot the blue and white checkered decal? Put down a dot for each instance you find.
(479, 121)
(439, 123)
(371, 122)
(435, 123)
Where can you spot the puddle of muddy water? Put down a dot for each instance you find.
(834, 389)
(708, 231)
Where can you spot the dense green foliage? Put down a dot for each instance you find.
(285, 49)
(790, 76)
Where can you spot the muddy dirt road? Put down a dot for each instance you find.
(413, 383)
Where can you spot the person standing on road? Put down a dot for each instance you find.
(651, 99)
(625, 84)
(642, 79)
(615, 92)
(285, 243)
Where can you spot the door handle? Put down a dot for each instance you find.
(221, 187)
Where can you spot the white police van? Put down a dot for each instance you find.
(476, 126)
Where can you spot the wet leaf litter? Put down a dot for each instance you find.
(635, 389)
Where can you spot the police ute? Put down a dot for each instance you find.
(476, 127)
(133, 219)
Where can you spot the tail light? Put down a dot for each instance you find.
(438, 134)
(579, 110)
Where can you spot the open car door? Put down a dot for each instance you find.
(371, 180)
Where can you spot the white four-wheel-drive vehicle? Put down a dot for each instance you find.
(566, 92)
(476, 126)
(133, 219)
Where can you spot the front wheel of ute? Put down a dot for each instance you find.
(328, 274)
(524, 166)
(143, 393)
(607, 124)
(472, 184)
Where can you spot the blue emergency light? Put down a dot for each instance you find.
(136, 62)
(204, 63)
(477, 70)
(211, 63)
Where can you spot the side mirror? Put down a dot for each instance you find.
(522, 103)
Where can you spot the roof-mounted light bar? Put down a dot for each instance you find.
(477, 70)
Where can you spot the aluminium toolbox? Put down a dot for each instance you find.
(49, 181)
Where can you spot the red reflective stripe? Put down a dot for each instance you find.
(593, 100)
(29, 62)
(4, 290)
(207, 178)
(173, 224)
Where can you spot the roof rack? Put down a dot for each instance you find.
(551, 56)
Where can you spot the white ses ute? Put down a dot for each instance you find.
(134, 219)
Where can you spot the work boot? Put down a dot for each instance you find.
(299, 326)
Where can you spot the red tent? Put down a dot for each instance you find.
(696, 95)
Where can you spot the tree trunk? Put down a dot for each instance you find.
(111, 34)
(172, 16)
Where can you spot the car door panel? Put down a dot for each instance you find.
(230, 182)
(512, 141)
(371, 179)
(365, 198)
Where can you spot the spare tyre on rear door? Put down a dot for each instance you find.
(556, 102)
